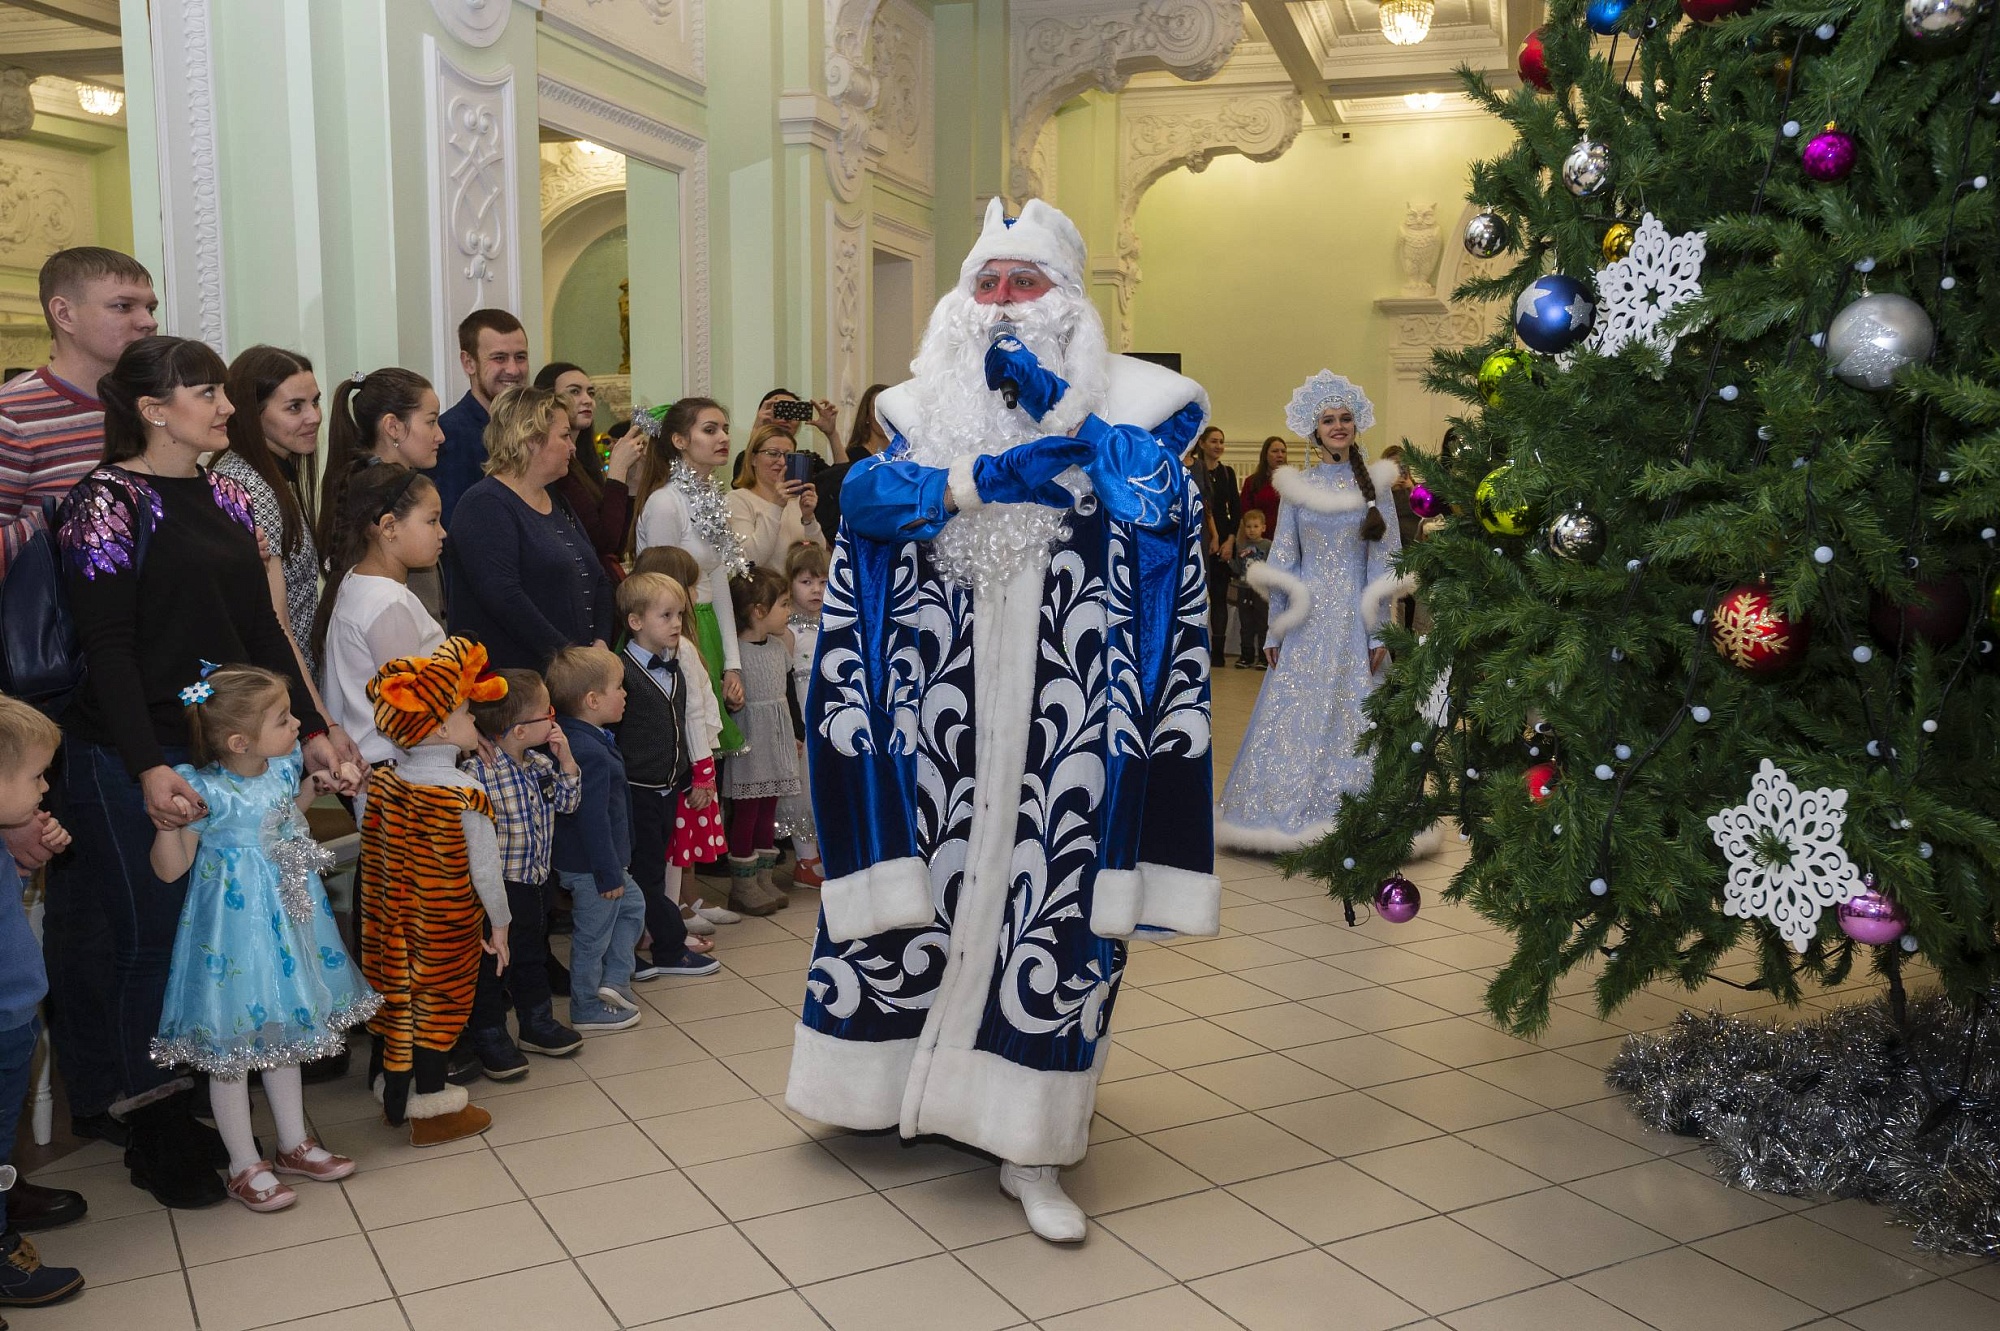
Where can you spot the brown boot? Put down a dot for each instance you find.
(767, 864)
(746, 894)
(445, 1116)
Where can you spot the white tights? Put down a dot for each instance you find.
(230, 1102)
(805, 847)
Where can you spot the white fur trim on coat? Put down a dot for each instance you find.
(1155, 896)
(1293, 487)
(1136, 392)
(849, 1083)
(1022, 1115)
(1381, 591)
(1298, 598)
(964, 489)
(895, 894)
(1267, 840)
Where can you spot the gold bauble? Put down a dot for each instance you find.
(1617, 242)
(1498, 502)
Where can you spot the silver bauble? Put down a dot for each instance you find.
(1587, 169)
(1486, 235)
(1576, 535)
(1938, 20)
(1876, 336)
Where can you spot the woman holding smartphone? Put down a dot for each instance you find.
(771, 508)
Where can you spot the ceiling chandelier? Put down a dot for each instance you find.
(99, 101)
(1407, 22)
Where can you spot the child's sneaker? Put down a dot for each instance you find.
(688, 963)
(619, 998)
(714, 915)
(25, 1282)
(593, 1018)
(541, 1033)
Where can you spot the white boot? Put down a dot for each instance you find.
(1051, 1214)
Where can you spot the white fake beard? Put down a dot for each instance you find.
(957, 415)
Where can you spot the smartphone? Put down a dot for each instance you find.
(798, 467)
(785, 409)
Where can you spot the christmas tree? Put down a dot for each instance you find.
(1714, 544)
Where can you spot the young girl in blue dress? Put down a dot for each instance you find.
(261, 978)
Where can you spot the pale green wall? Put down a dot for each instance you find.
(586, 320)
(1260, 274)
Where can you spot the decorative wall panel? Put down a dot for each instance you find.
(473, 185)
(669, 35)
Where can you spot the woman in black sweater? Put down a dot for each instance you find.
(525, 579)
(162, 574)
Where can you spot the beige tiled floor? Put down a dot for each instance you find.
(1304, 1126)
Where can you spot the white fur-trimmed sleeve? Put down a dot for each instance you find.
(1155, 896)
(964, 490)
(894, 894)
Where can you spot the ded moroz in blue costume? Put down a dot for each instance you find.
(1008, 723)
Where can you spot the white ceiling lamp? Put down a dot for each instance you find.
(1423, 101)
(99, 101)
(589, 149)
(1407, 22)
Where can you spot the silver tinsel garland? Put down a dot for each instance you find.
(1846, 1105)
(708, 509)
(299, 858)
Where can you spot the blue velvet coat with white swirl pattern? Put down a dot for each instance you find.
(1008, 785)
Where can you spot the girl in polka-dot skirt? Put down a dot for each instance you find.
(698, 836)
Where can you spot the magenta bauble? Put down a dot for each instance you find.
(1397, 899)
(1872, 918)
(1829, 156)
(1424, 503)
(1534, 65)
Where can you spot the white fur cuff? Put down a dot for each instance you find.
(1379, 592)
(964, 490)
(1156, 896)
(436, 1104)
(1298, 598)
(849, 1083)
(895, 894)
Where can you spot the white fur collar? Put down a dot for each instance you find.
(1294, 487)
(1137, 392)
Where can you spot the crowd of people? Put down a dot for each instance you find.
(550, 672)
(544, 723)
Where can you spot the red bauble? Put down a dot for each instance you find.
(1707, 11)
(1541, 780)
(1937, 614)
(1534, 66)
(1753, 635)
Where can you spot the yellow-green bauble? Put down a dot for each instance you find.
(1617, 242)
(1502, 510)
(1498, 368)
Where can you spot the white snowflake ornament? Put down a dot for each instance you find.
(1786, 863)
(1637, 293)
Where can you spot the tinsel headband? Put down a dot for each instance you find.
(1323, 390)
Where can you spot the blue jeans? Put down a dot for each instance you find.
(605, 935)
(108, 871)
(17, 1065)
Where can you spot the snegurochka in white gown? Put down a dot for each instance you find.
(1327, 587)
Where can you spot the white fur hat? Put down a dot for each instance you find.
(1041, 234)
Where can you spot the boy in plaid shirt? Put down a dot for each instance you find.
(528, 789)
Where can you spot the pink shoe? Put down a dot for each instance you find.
(325, 1170)
(274, 1198)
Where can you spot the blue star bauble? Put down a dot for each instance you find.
(1605, 17)
(1554, 314)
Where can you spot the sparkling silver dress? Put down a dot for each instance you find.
(1298, 755)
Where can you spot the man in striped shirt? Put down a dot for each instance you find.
(97, 303)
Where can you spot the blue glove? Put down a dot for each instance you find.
(1026, 473)
(1136, 477)
(1007, 358)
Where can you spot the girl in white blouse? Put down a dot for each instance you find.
(680, 505)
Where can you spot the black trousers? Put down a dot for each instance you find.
(652, 825)
(1253, 620)
(1218, 606)
(527, 977)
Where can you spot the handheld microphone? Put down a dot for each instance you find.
(1010, 391)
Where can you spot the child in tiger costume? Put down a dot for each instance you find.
(429, 883)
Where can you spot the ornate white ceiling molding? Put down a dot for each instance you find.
(474, 22)
(1060, 48)
(571, 176)
(1164, 130)
(588, 116)
(669, 35)
(190, 171)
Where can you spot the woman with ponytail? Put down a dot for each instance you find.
(389, 415)
(1327, 577)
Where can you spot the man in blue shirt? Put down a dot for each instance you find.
(493, 352)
